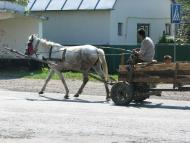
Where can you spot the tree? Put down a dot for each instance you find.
(22, 2)
(183, 35)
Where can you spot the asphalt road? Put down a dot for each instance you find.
(27, 118)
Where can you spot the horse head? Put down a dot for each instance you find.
(32, 45)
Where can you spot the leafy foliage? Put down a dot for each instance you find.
(166, 38)
(183, 35)
(22, 2)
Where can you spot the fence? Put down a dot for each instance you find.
(182, 54)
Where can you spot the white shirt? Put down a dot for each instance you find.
(147, 50)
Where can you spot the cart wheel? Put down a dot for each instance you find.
(122, 93)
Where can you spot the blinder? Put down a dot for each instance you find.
(30, 49)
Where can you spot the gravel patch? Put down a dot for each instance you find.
(92, 88)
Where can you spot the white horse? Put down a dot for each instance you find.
(75, 58)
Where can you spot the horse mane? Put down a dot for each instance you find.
(48, 44)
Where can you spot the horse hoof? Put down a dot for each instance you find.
(66, 97)
(41, 92)
(76, 95)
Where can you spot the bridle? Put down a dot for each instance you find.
(34, 50)
(30, 49)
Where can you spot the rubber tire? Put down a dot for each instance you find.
(122, 93)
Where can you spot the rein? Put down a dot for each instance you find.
(127, 52)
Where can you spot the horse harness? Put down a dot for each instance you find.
(56, 59)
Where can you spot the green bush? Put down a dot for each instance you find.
(166, 39)
(21, 2)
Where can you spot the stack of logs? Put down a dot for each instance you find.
(156, 73)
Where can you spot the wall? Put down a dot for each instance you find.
(131, 12)
(14, 33)
(77, 27)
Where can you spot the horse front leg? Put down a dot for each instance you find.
(64, 83)
(85, 80)
(46, 82)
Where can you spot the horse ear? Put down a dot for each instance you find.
(35, 35)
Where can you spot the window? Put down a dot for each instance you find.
(168, 29)
(120, 29)
(144, 26)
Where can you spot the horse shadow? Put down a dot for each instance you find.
(138, 105)
(76, 100)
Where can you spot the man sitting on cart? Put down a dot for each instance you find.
(147, 50)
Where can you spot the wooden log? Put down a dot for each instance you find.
(154, 67)
(157, 79)
(158, 67)
(162, 66)
(184, 72)
(166, 73)
(158, 73)
(184, 66)
(153, 79)
(163, 69)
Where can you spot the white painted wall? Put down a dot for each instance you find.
(14, 33)
(77, 27)
(131, 12)
(101, 27)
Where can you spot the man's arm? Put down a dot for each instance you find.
(143, 48)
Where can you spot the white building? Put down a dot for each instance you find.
(15, 28)
(102, 22)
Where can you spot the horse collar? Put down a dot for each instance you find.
(36, 47)
(63, 55)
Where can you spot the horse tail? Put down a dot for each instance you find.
(102, 59)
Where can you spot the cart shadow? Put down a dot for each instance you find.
(76, 100)
(146, 104)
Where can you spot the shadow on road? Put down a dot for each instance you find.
(77, 100)
(146, 104)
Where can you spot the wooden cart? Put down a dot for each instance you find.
(138, 81)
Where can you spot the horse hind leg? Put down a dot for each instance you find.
(46, 82)
(85, 80)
